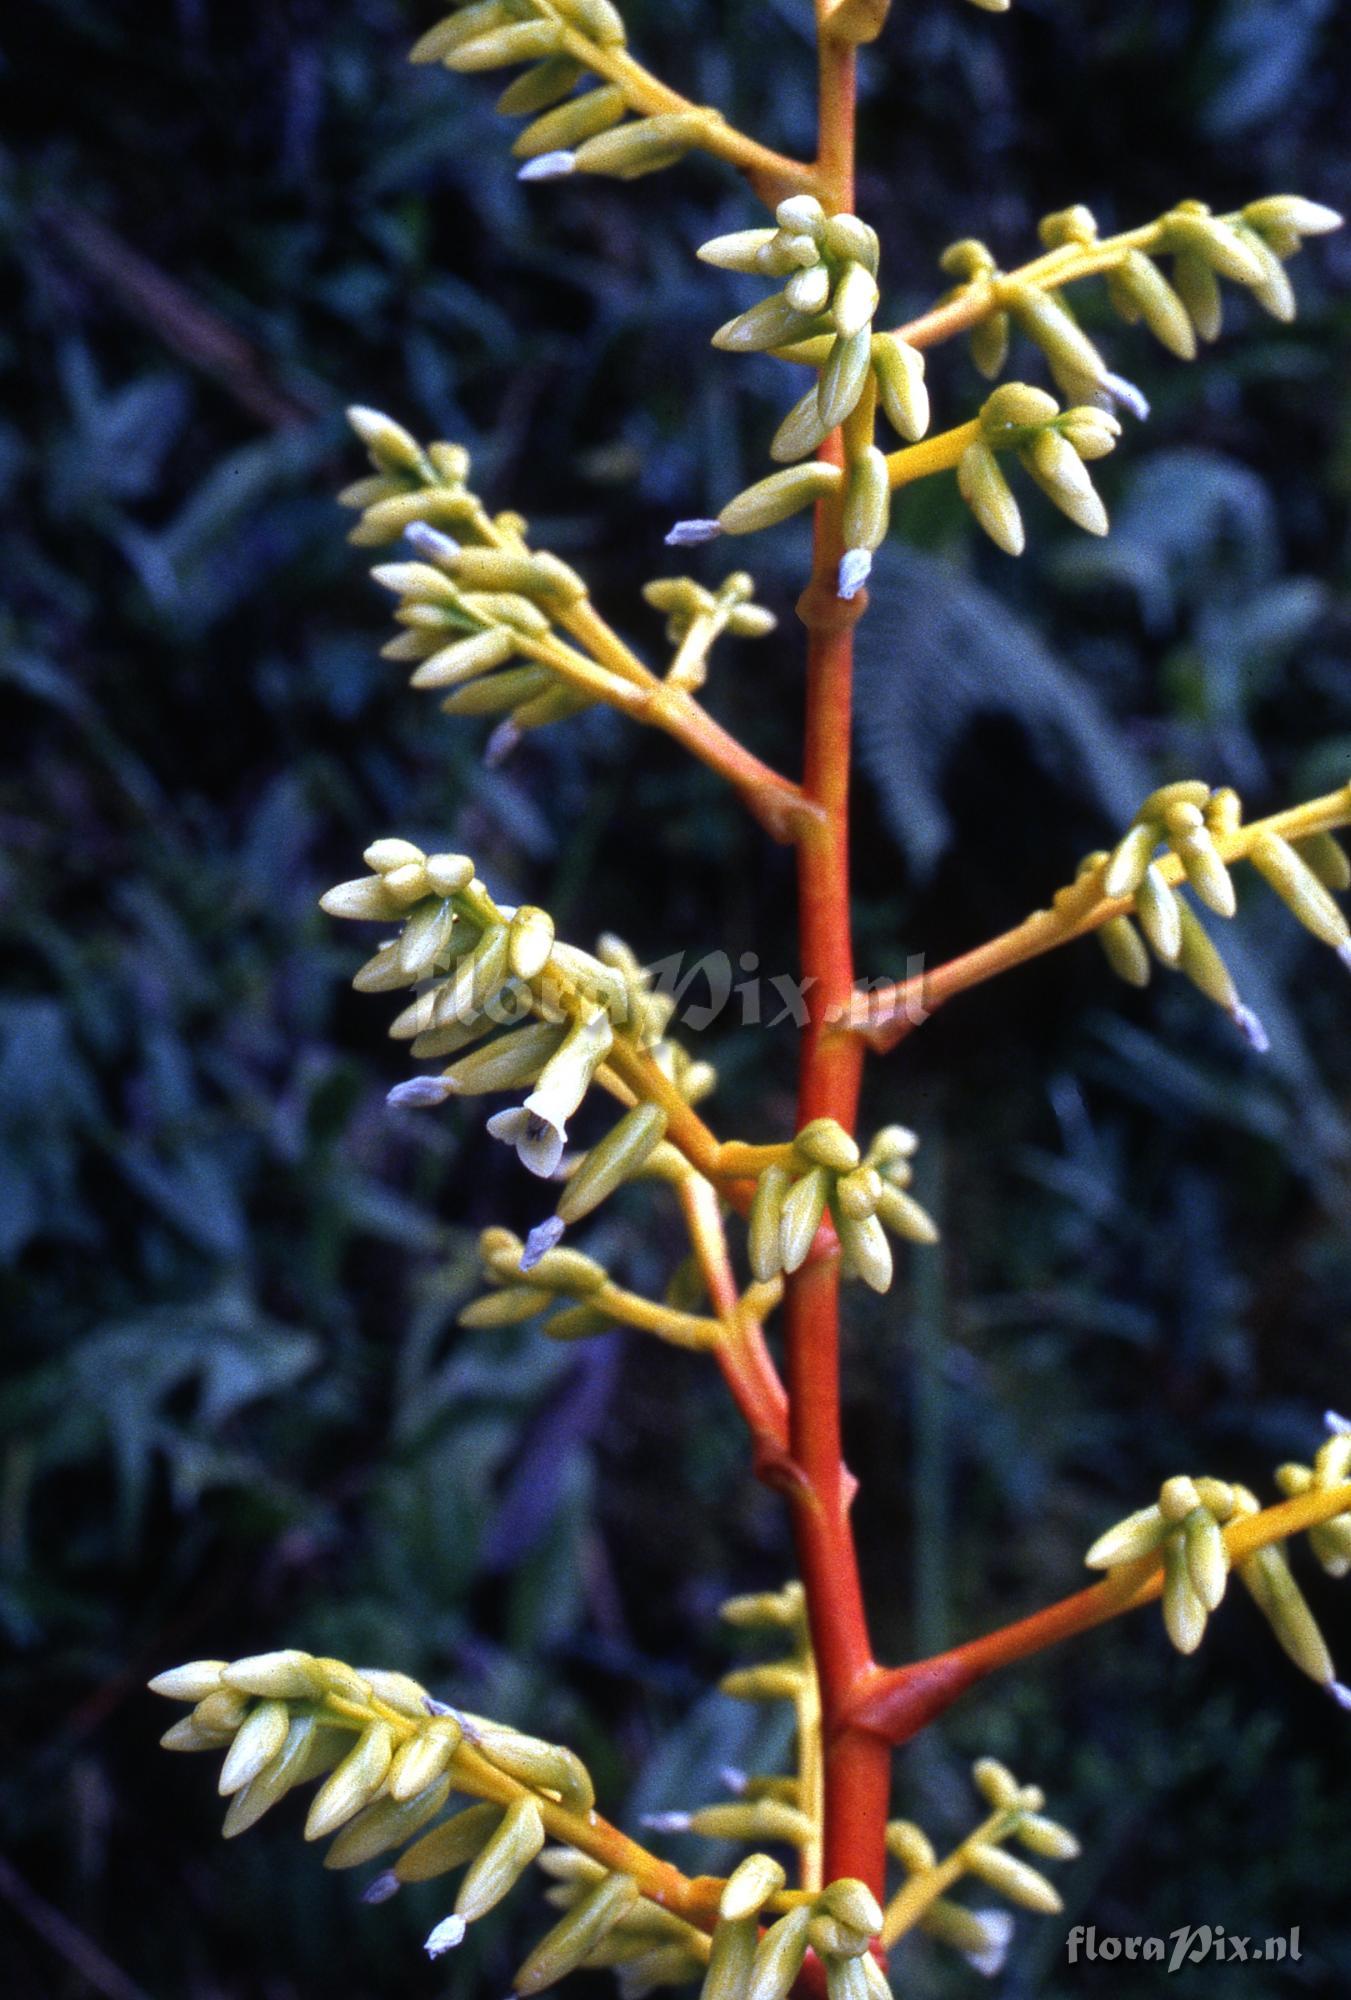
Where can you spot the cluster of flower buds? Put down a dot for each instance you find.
(564, 43)
(863, 1194)
(391, 1759)
(829, 267)
(981, 1936)
(388, 1754)
(606, 1924)
(1051, 444)
(478, 607)
(529, 1278)
(1040, 313)
(839, 1923)
(1185, 1526)
(1186, 818)
(696, 617)
(481, 968)
(1330, 1540)
(1249, 248)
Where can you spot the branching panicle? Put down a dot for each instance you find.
(490, 993)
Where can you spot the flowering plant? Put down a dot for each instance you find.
(501, 1004)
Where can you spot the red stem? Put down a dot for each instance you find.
(857, 1761)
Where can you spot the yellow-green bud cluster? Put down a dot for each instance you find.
(1248, 248)
(536, 1276)
(1051, 444)
(564, 43)
(523, 1287)
(829, 267)
(407, 483)
(695, 617)
(392, 1760)
(477, 604)
(453, 936)
(1330, 1540)
(482, 967)
(981, 1936)
(864, 1196)
(839, 1923)
(1266, 1573)
(606, 1924)
(1187, 818)
(389, 1757)
(1186, 1525)
(518, 967)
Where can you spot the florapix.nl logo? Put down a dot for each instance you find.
(1189, 1944)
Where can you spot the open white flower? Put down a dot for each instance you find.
(538, 1129)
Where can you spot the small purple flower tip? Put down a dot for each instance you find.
(1250, 1027)
(1339, 1425)
(1340, 1693)
(1127, 396)
(382, 1888)
(855, 568)
(667, 1822)
(542, 1238)
(431, 543)
(501, 744)
(547, 167)
(689, 534)
(419, 1093)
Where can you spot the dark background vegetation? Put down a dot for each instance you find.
(236, 1411)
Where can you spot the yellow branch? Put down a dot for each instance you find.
(694, 1898)
(908, 1905)
(772, 174)
(885, 1015)
(933, 454)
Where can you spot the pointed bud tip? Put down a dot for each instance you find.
(1339, 1425)
(382, 1888)
(689, 534)
(501, 743)
(1127, 396)
(734, 1779)
(1340, 1693)
(855, 569)
(1250, 1027)
(419, 1093)
(666, 1822)
(431, 543)
(544, 1237)
(547, 167)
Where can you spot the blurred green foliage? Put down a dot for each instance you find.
(235, 1411)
